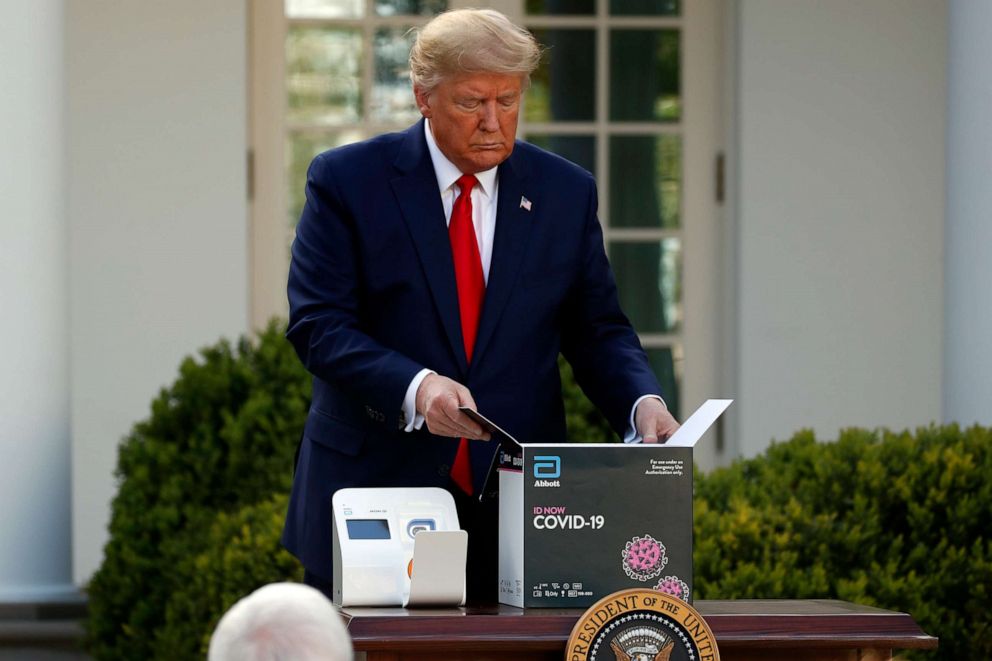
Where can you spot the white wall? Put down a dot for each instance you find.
(968, 270)
(840, 148)
(157, 210)
(34, 340)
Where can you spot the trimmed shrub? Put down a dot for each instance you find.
(893, 520)
(222, 436)
(241, 553)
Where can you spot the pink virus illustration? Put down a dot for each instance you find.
(674, 586)
(644, 558)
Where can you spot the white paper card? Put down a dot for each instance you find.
(697, 424)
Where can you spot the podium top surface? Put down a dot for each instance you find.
(738, 623)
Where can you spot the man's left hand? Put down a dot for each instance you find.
(653, 421)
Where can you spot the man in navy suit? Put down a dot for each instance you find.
(382, 309)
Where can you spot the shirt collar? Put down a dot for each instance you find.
(447, 173)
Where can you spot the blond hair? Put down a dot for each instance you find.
(471, 41)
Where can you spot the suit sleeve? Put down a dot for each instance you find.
(597, 339)
(326, 304)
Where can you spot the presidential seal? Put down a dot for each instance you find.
(641, 625)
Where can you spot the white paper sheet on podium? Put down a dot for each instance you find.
(697, 424)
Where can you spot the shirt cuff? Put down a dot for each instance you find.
(631, 436)
(414, 420)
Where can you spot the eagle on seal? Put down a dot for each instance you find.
(642, 644)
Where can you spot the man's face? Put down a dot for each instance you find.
(474, 117)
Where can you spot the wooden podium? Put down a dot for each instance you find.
(745, 630)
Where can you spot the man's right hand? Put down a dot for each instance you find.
(438, 399)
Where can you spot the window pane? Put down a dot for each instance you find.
(645, 7)
(561, 7)
(301, 148)
(644, 75)
(580, 149)
(564, 86)
(646, 181)
(667, 365)
(392, 92)
(323, 78)
(410, 7)
(325, 8)
(649, 279)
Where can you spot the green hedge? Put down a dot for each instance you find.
(241, 553)
(899, 521)
(894, 520)
(222, 436)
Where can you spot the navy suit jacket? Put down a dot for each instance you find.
(373, 301)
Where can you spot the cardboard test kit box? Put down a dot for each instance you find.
(580, 521)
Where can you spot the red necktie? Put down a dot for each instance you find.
(471, 289)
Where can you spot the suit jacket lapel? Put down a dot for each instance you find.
(513, 227)
(420, 201)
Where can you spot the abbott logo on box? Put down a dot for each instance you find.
(547, 470)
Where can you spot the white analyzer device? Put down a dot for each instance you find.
(397, 547)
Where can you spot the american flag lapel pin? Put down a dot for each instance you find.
(524, 203)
